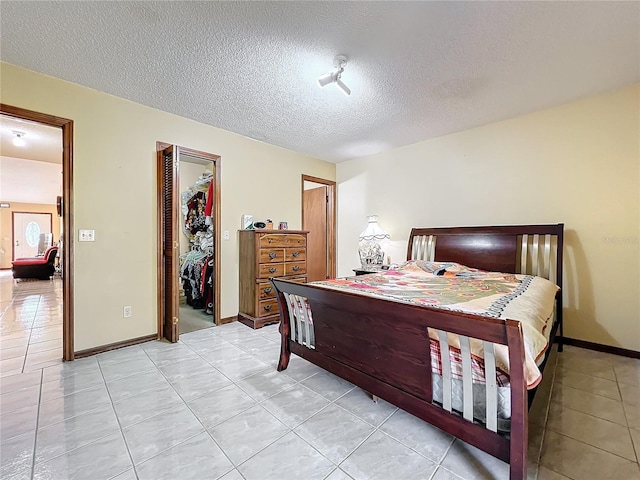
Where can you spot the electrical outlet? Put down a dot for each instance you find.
(126, 312)
(226, 235)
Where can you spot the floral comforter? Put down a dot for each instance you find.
(452, 286)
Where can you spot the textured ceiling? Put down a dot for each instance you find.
(417, 69)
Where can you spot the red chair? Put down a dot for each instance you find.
(36, 267)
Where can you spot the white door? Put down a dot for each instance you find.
(27, 228)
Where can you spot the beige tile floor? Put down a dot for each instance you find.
(30, 324)
(213, 406)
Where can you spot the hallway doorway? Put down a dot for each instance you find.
(24, 300)
(319, 219)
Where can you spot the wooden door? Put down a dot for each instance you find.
(27, 227)
(314, 219)
(168, 182)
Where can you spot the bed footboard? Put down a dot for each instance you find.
(384, 348)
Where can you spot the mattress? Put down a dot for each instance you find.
(479, 395)
(479, 400)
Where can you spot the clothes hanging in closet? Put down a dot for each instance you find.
(196, 269)
(197, 280)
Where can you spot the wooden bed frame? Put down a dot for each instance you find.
(382, 346)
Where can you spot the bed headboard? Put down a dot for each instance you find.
(528, 249)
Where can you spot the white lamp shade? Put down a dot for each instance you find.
(369, 245)
(373, 231)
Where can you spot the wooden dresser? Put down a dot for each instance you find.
(265, 254)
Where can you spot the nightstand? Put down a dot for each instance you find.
(365, 271)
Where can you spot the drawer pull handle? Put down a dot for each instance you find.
(295, 254)
(272, 255)
(296, 268)
(267, 307)
(267, 290)
(272, 270)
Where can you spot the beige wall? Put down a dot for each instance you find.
(6, 239)
(578, 163)
(115, 194)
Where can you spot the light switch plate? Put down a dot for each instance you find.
(87, 235)
(226, 235)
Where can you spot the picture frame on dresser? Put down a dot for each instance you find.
(266, 254)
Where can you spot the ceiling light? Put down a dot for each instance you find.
(326, 79)
(335, 77)
(18, 138)
(343, 88)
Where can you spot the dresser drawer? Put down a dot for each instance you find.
(282, 240)
(266, 290)
(295, 254)
(298, 279)
(272, 270)
(295, 268)
(267, 307)
(271, 255)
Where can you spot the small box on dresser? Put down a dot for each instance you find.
(265, 254)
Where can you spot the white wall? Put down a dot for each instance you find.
(577, 163)
(29, 181)
(115, 194)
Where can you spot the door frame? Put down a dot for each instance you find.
(13, 229)
(67, 215)
(217, 162)
(331, 218)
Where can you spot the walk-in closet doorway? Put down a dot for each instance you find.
(188, 240)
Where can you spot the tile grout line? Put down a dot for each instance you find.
(566, 407)
(547, 426)
(35, 436)
(636, 451)
(81, 446)
(292, 429)
(593, 446)
(24, 363)
(258, 403)
(187, 439)
(133, 465)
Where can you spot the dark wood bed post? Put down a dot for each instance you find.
(285, 350)
(519, 403)
(560, 335)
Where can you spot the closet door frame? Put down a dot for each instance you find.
(331, 219)
(216, 160)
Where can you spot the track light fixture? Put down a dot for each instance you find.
(340, 61)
